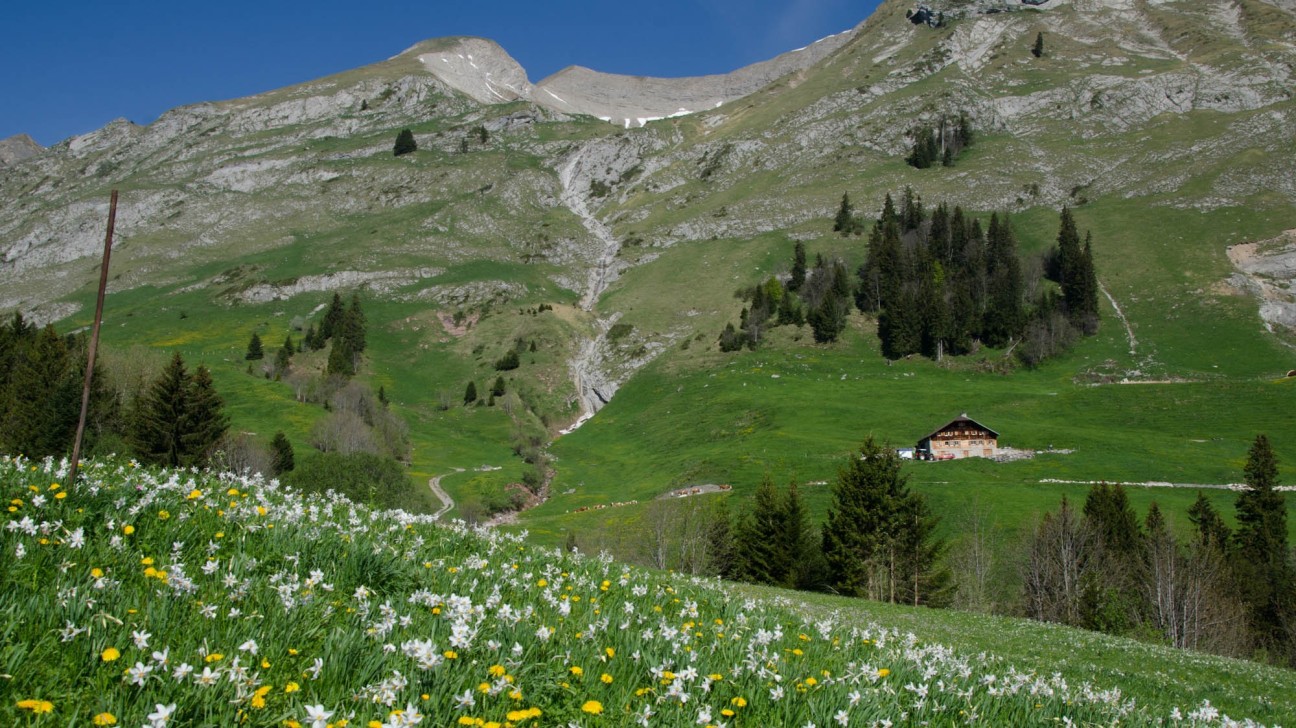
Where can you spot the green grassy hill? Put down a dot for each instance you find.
(219, 599)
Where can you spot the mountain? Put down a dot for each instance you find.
(636, 206)
(18, 148)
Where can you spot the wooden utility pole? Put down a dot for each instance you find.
(94, 340)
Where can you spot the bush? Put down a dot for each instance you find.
(508, 362)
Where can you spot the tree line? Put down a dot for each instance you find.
(938, 283)
(1225, 591)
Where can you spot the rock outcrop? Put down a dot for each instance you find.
(18, 148)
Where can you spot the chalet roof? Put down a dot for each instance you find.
(961, 419)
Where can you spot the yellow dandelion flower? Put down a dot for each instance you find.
(465, 720)
(811, 682)
(265, 664)
(97, 572)
(128, 529)
(576, 670)
(739, 701)
(728, 713)
(290, 723)
(606, 678)
(609, 652)
(110, 654)
(60, 495)
(292, 687)
(450, 654)
(104, 719)
(883, 672)
(542, 583)
(163, 515)
(36, 706)
(483, 688)
(214, 657)
(497, 671)
(194, 494)
(593, 707)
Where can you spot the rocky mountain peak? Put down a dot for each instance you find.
(17, 148)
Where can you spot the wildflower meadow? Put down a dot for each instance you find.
(144, 597)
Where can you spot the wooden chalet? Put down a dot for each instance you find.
(962, 437)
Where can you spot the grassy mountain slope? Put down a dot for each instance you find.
(225, 599)
(1167, 125)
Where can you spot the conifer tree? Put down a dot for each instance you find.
(1037, 50)
(1212, 531)
(1005, 315)
(332, 324)
(161, 416)
(342, 357)
(1263, 562)
(1108, 508)
(498, 389)
(470, 393)
(284, 460)
(720, 537)
(353, 326)
(796, 539)
(798, 267)
(761, 544)
(283, 357)
(845, 222)
(254, 349)
(405, 143)
(42, 415)
(207, 422)
(866, 498)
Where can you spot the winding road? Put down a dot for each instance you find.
(446, 501)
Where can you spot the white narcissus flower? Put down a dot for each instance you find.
(162, 713)
(250, 646)
(318, 716)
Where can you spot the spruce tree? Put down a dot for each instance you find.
(207, 422)
(1037, 50)
(1263, 561)
(798, 267)
(864, 501)
(1212, 531)
(761, 544)
(845, 222)
(1005, 316)
(353, 326)
(42, 414)
(720, 537)
(162, 418)
(470, 393)
(283, 357)
(405, 143)
(497, 390)
(1108, 508)
(284, 460)
(795, 539)
(254, 349)
(342, 357)
(332, 324)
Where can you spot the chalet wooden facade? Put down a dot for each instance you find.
(962, 437)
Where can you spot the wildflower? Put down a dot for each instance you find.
(593, 707)
(606, 678)
(36, 706)
(609, 652)
(128, 529)
(249, 646)
(104, 719)
(883, 672)
(214, 657)
(207, 677)
(141, 639)
(138, 674)
(110, 654)
(182, 672)
(161, 715)
(292, 687)
(194, 494)
(576, 670)
(318, 716)
(739, 701)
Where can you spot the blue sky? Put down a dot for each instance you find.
(71, 67)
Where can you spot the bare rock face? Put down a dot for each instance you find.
(479, 68)
(17, 148)
(482, 70)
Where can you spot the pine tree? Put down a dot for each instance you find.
(798, 267)
(761, 543)
(796, 542)
(498, 389)
(1005, 316)
(1037, 50)
(332, 324)
(342, 358)
(283, 357)
(42, 413)
(254, 349)
(855, 537)
(207, 422)
(162, 418)
(1108, 508)
(1263, 563)
(284, 460)
(470, 393)
(845, 221)
(353, 326)
(405, 143)
(1212, 531)
(720, 537)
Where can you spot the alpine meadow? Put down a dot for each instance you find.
(940, 372)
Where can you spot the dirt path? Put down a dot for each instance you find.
(446, 501)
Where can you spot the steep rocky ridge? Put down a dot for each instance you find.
(485, 72)
(17, 148)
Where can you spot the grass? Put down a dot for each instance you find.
(225, 599)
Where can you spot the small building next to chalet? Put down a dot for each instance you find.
(962, 437)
